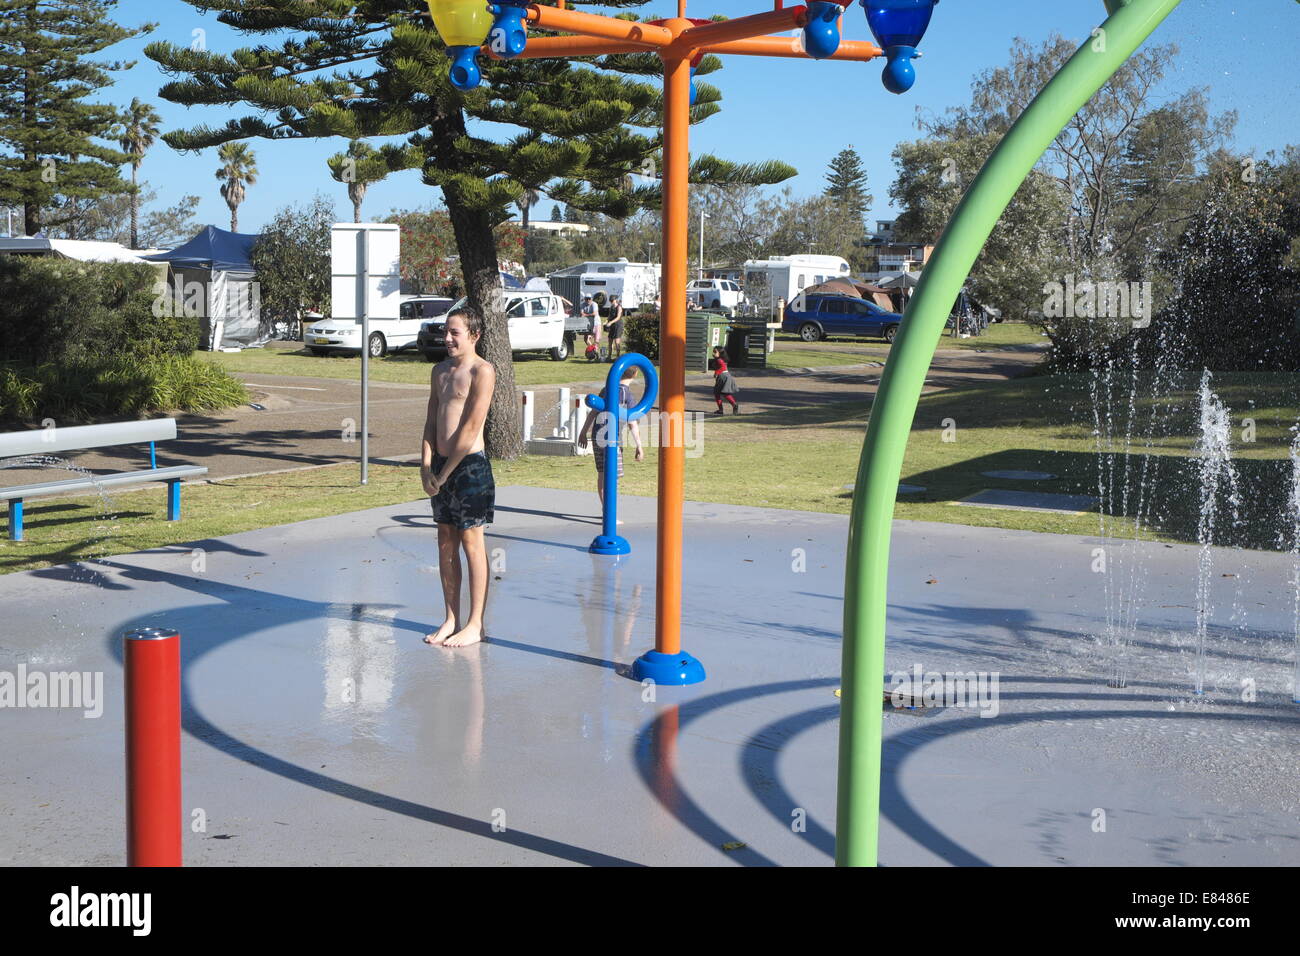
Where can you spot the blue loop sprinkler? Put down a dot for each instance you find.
(508, 38)
(609, 541)
(821, 29)
(693, 69)
(898, 26)
(464, 73)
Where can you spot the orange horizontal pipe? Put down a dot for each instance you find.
(590, 25)
(859, 50)
(543, 47)
(755, 25)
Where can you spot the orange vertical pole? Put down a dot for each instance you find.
(672, 353)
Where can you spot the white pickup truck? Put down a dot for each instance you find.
(714, 293)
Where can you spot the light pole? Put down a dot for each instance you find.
(703, 216)
(650, 253)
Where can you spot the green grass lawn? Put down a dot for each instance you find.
(290, 358)
(792, 458)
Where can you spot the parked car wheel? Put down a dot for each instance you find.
(561, 351)
(810, 332)
(890, 332)
(428, 357)
(378, 347)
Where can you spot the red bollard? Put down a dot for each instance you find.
(152, 672)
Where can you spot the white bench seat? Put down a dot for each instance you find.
(80, 437)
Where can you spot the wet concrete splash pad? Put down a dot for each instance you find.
(319, 730)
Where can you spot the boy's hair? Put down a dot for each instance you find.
(628, 372)
(720, 352)
(473, 321)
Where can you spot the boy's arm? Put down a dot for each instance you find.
(585, 433)
(429, 440)
(471, 419)
(636, 437)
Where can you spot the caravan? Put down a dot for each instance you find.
(635, 283)
(771, 283)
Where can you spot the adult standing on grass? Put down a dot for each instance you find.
(457, 475)
(614, 326)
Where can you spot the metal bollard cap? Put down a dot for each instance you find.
(150, 634)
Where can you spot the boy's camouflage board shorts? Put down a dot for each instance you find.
(468, 498)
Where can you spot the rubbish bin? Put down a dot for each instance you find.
(704, 331)
(747, 343)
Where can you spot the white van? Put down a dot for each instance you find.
(386, 335)
(536, 321)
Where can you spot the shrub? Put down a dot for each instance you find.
(641, 334)
(85, 390)
(56, 310)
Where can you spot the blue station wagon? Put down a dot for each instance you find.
(815, 317)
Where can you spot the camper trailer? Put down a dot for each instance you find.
(771, 283)
(634, 283)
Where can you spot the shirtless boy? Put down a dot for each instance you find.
(457, 475)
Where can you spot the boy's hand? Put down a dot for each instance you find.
(582, 440)
(429, 480)
(640, 453)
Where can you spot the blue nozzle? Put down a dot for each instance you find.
(899, 74)
(821, 30)
(464, 73)
(507, 38)
(693, 85)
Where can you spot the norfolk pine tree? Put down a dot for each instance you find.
(53, 144)
(846, 182)
(377, 68)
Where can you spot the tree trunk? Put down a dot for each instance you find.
(527, 206)
(478, 261)
(135, 209)
(234, 219)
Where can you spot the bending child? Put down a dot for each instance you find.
(457, 475)
(605, 426)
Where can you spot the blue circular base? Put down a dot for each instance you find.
(671, 669)
(610, 544)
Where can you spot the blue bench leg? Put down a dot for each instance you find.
(16, 519)
(174, 500)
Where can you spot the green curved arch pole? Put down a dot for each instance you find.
(881, 464)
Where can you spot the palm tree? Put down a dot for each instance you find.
(140, 133)
(238, 169)
(526, 202)
(360, 166)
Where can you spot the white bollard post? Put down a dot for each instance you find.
(561, 420)
(527, 416)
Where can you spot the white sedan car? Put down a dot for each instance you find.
(386, 335)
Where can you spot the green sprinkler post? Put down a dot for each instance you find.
(881, 464)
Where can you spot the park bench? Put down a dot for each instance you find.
(47, 441)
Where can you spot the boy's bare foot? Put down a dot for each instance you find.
(447, 629)
(469, 634)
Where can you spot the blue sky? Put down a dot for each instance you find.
(798, 111)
